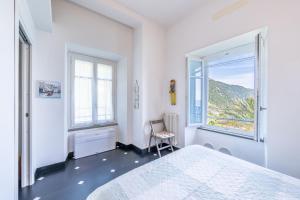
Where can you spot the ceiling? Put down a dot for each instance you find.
(164, 12)
(41, 12)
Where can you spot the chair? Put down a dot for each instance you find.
(162, 136)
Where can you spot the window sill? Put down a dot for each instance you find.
(93, 126)
(225, 132)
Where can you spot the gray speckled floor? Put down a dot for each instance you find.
(83, 176)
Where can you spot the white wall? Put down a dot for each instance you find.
(24, 17)
(9, 33)
(149, 60)
(72, 25)
(241, 148)
(281, 17)
(149, 63)
(7, 140)
(152, 76)
(137, 121)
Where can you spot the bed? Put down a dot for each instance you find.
(196, 172)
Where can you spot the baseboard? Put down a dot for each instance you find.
(124, 146)
(42, 171)
(128, 147)
(70, 156)
(139, 150)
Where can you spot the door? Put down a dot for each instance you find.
(24, 112)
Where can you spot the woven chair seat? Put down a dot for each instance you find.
(164, 135)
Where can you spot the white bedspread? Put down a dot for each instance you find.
(196, 172)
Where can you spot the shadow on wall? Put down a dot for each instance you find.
(222, 149)
(225, 151)
(210, 146)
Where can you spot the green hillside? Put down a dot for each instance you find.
(230, 106)
(222, 94)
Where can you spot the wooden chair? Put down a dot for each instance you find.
(162, 136)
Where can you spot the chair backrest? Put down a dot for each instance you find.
(155, 122)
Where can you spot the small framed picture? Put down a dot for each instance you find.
(49, 89)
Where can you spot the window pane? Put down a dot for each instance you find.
(105, 100)
(231, 102)
(83, 112)
(83, 68)
(104, 72)
(195, 75)
(83, 100)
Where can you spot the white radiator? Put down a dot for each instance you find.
(171, 121)
(94, 141)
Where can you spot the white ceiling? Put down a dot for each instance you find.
(164, 12)
(41, 12)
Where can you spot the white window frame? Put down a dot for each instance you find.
(95, 122)
(258, 73)
(189, 90)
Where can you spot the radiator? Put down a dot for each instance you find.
(171, 121)
(90, 142)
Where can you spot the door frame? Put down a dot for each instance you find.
(27, 178)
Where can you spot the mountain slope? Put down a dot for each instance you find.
(230, 106)
(223, 95)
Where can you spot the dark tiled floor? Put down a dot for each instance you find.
(63, 185)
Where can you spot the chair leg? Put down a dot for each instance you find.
(158, 151)
(149, 143)
(171, 143)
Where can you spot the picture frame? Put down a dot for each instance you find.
(49, 89)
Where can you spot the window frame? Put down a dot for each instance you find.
(71, 72)
(258, 40)
(189, 90)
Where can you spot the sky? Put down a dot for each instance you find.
(240, 73)
(235, 69)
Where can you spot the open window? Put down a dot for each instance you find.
(224, 84)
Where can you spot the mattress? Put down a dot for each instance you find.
(196, 172)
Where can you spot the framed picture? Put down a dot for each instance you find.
(49, 89)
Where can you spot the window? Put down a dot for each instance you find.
(92, 91)
(195, 83)
(222, 90)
